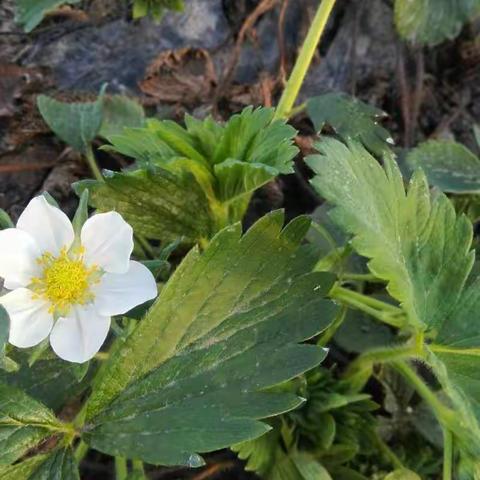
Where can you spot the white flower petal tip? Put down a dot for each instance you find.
(30, 319)
(117, 294)
(48, 225)
(18, 252)
(79, 336)
(108, 242)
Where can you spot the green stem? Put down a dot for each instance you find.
(382, 311)
(447, 454)
(147, 248)
(386, 451)
(381, 355)
(121, 471)
(362, 277)
(137, 467)
(304, 59)
(442, 412)
(92, 163)
(81, 451)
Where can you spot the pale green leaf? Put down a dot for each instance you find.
(413, 241)
(448, 165)
(120, 112)
(31, 12)
(429, 22)
(157, 203)
(402, 474)
(23, 423)
(351, 119)
(227, 324)
(309, 468)
(77, 124)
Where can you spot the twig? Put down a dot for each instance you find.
(282, 69)
(263, 7)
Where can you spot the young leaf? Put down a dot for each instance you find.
(228, 162)
(351, 119)
(429, 22)
(23, 423)
(157, 203)
(31, 12)
(60, 464)
(448, 165)
(75, 123)
(192, 375)
(414, 242)
(120, 112)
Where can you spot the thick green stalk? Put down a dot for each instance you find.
(121, 470)
(92, 163)
(304, 59)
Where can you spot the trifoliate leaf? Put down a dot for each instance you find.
(75, 123)
(429, 22)
(227, 161)
(58, 465)
(417, 243)
(120, 112)
(31, 12)
(351, 119)
(23, 423)
(448, 165)
(227, 325)
(157, 203)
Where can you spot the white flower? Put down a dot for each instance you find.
(65, 287)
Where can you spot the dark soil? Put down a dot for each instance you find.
(424, 92)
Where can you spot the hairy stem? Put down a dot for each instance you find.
(92, 163)
(81, 451)
(121, 471)
(447, 454)
(382, 311)
(304, 59)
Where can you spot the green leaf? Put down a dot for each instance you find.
(75, 123)
(448, 165)
(58, 465)
(192, 376)
(417, 243)
(402, 474)
(5, 220)
(430, 22)
(157, 203)
(414, 242)
(351, 119)
(155, 8)
(50, 381)
(227, 161)
(120, 112)
(23, 423)
(31, 12)
(309, 468)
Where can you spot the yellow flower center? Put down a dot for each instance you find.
(65, 280)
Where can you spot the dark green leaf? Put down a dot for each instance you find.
(23, 423)
(191, 377)
(351, 119)
(429, 22)
(31, 12)
(75, 123)
(448, 165)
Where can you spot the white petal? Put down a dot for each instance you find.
(119, 293)
(48, 225)
(108, 242)
(30, 320)
(18, 254)
(78, 337)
